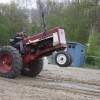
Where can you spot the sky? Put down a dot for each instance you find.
(32, 4)
(4, 1)
(7, 1)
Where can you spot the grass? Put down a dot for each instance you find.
(90, 66)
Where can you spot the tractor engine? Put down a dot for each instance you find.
(50, 40)
(41, 45)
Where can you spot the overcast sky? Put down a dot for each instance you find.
(7, 1)
(4, 1)
(33, 3)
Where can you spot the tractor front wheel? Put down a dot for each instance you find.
(10, 62)
(71, 59)
(32, 68)
(62, 59)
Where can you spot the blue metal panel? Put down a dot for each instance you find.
(82, 56)
(72, 49)
(78, 52)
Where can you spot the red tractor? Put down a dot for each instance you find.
(12, 62)
(30, 63)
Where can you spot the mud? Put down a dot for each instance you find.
(53, 83)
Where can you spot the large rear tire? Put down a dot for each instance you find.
(10, 62)
(32, 68)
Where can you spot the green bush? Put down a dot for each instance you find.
(93, 62)
(94, 41)
(90, 60)
(97, 62)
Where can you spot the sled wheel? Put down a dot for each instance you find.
(71, 59)
(62, 59)
(32, 68)
(10, 62)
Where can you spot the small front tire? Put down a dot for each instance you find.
(62, 59)
(71, 59)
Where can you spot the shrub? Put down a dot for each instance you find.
(90, 60)
(93, 62)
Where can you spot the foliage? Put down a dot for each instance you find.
(80, 18)
(92, 62)
(4, 30)
(94, 41)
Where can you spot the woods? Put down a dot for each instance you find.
(80, 18)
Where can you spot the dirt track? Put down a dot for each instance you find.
(53, 83)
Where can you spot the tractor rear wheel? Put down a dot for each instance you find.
(32, 68)
(10, 62)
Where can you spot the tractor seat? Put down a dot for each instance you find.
(12, 42)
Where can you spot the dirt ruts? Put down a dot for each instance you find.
(53, 83)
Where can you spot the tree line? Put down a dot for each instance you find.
(80, 18)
